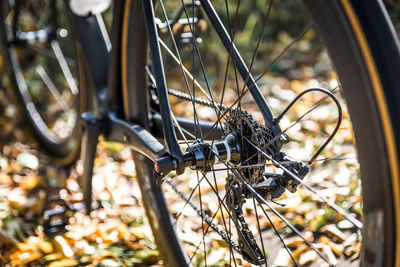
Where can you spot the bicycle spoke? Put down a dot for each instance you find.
(184, 68)
(222, 211)
(193, 63)
(199, 86)
(44, 72)
(196, 119)
(49, 53)
(284, 51)
(181, 130)
(259, 231)
(232, 37)
(199, 57)
(226, 208)
(52, 87)
(260, 200)
(248, 76)
(278, 234)
(291, 228)
(200, 213)
(64, 67)
(258, 42)
(202, 220)
(221, 202)
(209, 225)
(188, 199)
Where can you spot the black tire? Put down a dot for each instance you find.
(65, 149)
(135, 60)
(364, 50)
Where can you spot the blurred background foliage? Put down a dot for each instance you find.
(246, 26)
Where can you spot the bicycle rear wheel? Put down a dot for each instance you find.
(44, 71)
(365, 53)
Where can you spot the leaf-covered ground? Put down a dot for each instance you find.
(116, 234)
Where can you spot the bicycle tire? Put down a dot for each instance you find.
(63, 150)
(366, 59)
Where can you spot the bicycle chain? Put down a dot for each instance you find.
(197, 100)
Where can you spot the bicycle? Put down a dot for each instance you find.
(123, 96)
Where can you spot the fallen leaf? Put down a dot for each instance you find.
(63, 246)
(332, 231)
(29, 182)
(308, 257)
(149, 256)
(46, 247)
(64, 263)
(336, 248)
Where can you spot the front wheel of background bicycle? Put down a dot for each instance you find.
(365, 53)
(63, 148)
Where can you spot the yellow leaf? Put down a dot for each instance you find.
(63, 245)
(26, 247)
(30, 182)
(64, 263)
(5, 178)
(137, 233)
(46, 247)
(123, 233)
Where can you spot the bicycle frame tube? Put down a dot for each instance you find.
(162, 91)
(93, 40)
